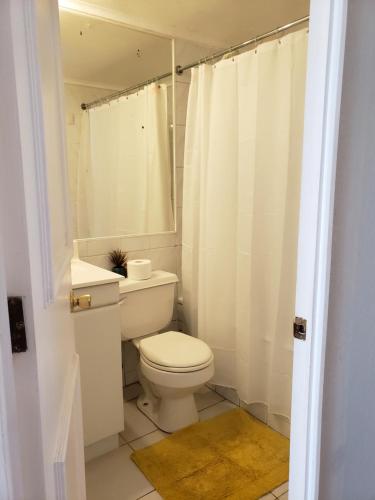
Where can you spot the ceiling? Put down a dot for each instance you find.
(95, 50)
(219, 22)
(109, 55)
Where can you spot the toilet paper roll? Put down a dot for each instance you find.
(139, 269)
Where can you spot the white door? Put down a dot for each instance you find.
(41, 448)
(323, 96)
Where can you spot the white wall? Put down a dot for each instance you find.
(75, 95)
(348, 433)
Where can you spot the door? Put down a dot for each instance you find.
(41, 452)
(323, 96)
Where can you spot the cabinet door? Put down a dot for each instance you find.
(98, 343)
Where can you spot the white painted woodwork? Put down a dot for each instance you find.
(323, 95)
(102, 447)
(69, 460)
(98, 343)
(93, 84)
(101, 295)
(22, 449)
(10, 467)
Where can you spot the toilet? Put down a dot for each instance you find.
(173, 365)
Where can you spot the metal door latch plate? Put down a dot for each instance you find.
(17, 324)
(299, 328)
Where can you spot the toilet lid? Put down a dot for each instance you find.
(175, 350)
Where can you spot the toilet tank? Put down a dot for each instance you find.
(147, 305)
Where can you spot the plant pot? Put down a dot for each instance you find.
(120, 270)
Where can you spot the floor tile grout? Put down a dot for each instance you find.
(143, 435)
(157, 429)
(210, 406)
(140, 498)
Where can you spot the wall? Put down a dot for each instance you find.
(75, 95)
(185, 52)
(348, 430)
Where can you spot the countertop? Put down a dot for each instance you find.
(85, 274)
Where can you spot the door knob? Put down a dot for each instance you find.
(80, 302)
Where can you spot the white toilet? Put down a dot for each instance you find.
(173, 365)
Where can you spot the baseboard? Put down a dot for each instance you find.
(101, 447)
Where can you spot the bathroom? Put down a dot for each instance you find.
(218, 236)
(57, 298)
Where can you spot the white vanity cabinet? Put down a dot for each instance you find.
(98, 344)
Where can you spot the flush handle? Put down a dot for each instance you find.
(80, 302)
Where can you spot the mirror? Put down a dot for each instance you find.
(120, 151)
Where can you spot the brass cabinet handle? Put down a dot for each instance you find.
(80, 302)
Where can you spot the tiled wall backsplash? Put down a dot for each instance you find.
(162, 249)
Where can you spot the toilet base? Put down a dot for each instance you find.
(169, 414)
(168, 397)
(170, 410)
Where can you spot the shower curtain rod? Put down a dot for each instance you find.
(181, 69)
(116, 95)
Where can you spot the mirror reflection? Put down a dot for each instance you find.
(120, 149)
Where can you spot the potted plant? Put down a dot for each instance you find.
(118, 260)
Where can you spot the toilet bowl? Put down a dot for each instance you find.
(173, 365)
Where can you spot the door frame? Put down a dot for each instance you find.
(326, 50)
(321, 128)
(11, 487)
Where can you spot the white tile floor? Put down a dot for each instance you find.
(114, 476)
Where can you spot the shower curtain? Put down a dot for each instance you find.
(243, 152)
(124, 167)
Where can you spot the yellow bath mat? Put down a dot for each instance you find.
(231, 456)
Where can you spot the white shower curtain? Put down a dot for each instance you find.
(125, 167)
(240, 215)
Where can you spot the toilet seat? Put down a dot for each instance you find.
(175, 352)
(173, 369)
